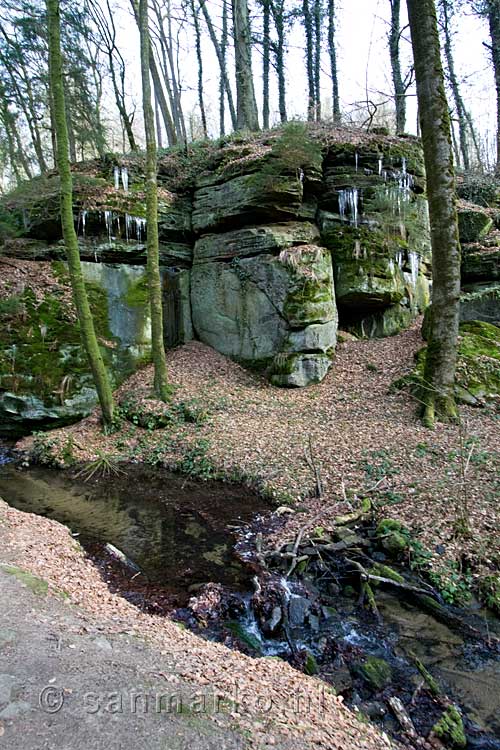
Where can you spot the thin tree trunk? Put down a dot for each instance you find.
(161, 387)
(246, 106)
(332, 52)
(494, 25)
(201, 102)
(266, 61)
(455, 88)
(85, 320)
(222, 88)
(397, 78)
(317, 59)
(159, 93)
(120, 104)
(440, 365)
(308, 28)
(222, 63)
(278, 11)
(158, 124)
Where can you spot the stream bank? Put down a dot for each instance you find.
(315, 618)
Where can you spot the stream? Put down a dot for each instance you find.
(167, 544)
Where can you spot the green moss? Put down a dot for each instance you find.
(450, 728)
(478, 365)
(489, 589)
(384, 571)
(473, 225)
(238, 630)
(429, 679)
(377, 673)
(138, 294)
(311, 665)
(36, 585)
(393, 536)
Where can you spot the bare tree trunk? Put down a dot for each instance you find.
(332, 52)
(158, 124)
(493, 7)
(222, 63)
(266, 61)
(70, 239)
(397, 78)
(440, 366)
(158, 88)
(455, 88)
(222, 88)
(201, 103)
(278, 11)
(246, 106)
(317, 59)
(161, 387)
(308, 28)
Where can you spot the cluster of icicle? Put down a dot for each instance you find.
(414, 261)
(398, 191)
(121, 173)
(135, 226)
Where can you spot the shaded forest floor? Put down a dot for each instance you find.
(224, 422)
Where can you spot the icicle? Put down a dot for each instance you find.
(414, 267)
(125, 179)
(140, 225)
(348, 205)
(108, 220)
(82, 219)
(116, 173)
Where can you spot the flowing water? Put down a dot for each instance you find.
(181, 534)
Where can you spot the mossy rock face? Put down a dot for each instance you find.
(478, 365)
(377, 673)
(480, 263)
(244, 199)
(45, 377)
(299, 370)
(473, 224)
(450, 729)
(387, 322)
(253, 308)
(481, 304)
(254, 240)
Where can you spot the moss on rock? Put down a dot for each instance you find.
(450, 728)
(478, 365)
(377, 673)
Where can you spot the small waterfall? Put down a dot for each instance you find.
(348, 205)
(125, 178)
(380, 166)
(116, 173)
(399, 259)
(356, 160)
